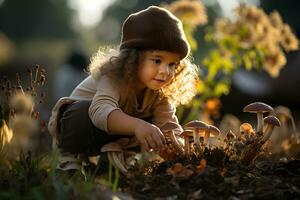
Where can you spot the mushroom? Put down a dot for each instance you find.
(212, 130)
(247, 132)
(246, 128)
(127, 143)
(191, 141)
(271, 121)
(128, 156)
(168, 130)
(186, 135)
(197, 127)
(115, 155)
(259, 108)
(284, 113)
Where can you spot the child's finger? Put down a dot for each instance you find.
(145, 145)
(151, 142)
(162, 139)
(159, 140)
(159, 143)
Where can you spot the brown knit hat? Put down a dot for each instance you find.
(154, 28)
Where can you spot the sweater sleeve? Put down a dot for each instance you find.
(164, 112)
(103, 103)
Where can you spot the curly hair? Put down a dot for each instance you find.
(121, 67)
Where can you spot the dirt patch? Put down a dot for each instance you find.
(221, 178)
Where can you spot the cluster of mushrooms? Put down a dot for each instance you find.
(250, 141)
(263, 132)
(192, 140)
(196, 137)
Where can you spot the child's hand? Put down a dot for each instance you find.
(150, 136)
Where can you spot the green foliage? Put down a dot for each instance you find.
(253, 41)
(113, 177)
(189, 31)
(33, 177)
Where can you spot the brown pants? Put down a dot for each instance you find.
(77, 132)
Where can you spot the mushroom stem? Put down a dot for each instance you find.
(206, 136)
(196, 138)
(268, 132)
(113, 158)
(186, 145)
(120, 156)
(260, 123)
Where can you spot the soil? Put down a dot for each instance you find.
(220, 178)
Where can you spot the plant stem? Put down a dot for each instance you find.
(116, 180)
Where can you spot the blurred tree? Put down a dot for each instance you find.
(21, 20)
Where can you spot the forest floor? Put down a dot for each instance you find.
(216, 178)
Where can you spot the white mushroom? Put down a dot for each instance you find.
(259, 108)
(211, 131)
(168, 130)
(198, 127)
(186, 135)
(115, 155)
(271, 121)
(284, 113)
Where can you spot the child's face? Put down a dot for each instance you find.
(156, 69)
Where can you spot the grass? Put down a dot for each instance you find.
(34, 178)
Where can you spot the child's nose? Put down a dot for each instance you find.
(164, 69)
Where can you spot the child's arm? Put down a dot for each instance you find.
(165, 112)
(147, 134)
(106, 115)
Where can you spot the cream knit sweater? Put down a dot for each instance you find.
(107, 98)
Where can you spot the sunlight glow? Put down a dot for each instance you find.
(1, 2)
(89, 11)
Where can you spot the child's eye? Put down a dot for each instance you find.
(156, 61)
(173, 65)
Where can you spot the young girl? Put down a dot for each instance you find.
(128, 94)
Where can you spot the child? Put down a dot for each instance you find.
(129, 94)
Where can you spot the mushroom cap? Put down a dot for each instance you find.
(197, 124)
(186, 133)
(168, 126)
(126, 143)
(246, 128)
(113, 146)
(123, 141)
(257, 107)
(272, 120)
(214, 131)
(282, 110)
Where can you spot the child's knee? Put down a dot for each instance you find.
(75, 127)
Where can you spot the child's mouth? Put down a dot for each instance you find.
(159, 80)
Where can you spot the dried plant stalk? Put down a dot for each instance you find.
(251, 152)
